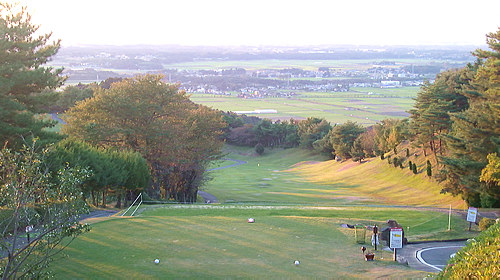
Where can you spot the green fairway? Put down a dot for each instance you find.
(298, 217)
(216, 242)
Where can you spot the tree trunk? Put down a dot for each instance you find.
(94, 201)
(104, 198)
(119, 200)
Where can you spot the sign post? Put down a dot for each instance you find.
(471, 216)
(28, 229)
(396, 239)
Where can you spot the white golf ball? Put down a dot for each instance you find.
(251, 220)
(296, 262)
(157, 261)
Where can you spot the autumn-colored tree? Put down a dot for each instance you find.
(389, 133)
(177, 137)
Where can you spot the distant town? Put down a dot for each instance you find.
(199, 70)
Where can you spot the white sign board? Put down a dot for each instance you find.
(471, 215)
(396, 238)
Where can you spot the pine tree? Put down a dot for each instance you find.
(430, 119)
(22, 77)
(476, 131)
(429, 168)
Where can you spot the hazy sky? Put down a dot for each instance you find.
(266, 22)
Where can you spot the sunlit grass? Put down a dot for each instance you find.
(380, 181)
(213, 241)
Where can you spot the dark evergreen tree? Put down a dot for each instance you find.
(311, 130)
(259, 149)
(23, 79)
(429, 168)
(414, 168)
(357, 152)
(476, 132)
(343, 137)
(430, 119)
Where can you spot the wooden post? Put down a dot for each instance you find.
(395, 258)
(449, 219)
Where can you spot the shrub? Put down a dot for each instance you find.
(410, 165)
(395, 161)
(382, 156)
(429, 168)
(485, 223)
(407, 152)
(259, 149)
(414, 168)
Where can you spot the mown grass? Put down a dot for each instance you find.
(298, 217)
(216, 242)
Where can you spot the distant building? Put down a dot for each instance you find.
(390, 84)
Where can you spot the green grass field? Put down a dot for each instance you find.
(216, 242)
(298, 217)
(365, 106)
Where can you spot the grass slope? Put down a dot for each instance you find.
(271, 178)
(378, 180)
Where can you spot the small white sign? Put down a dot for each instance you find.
(29, 228)
(471, 214)
(396, 238)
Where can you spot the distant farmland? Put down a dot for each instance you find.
(365, 106)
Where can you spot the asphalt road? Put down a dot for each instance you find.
(437, 257)
(430, 256)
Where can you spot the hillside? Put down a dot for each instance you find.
(378, 180)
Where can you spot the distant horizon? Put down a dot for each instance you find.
(266, 22)
(276, 46)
